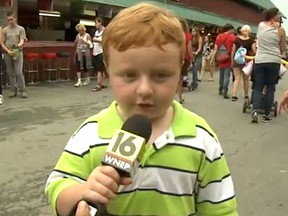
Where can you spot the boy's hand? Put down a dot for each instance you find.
(11, 53)
(82, 209)
(102, 185)
(283, 103)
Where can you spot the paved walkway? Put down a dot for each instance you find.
(33, 133)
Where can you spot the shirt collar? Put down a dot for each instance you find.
(183, 123)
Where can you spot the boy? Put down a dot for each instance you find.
(185, 171)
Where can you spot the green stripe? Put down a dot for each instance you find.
(177, 157)
(214, 171)
(151, 203)
(226, 208)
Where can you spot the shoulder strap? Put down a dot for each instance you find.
(223, 42)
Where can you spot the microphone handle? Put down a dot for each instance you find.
(95, 210)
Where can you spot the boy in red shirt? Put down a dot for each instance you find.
(222, 51)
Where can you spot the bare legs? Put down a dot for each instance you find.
(206, 64)
(237, 75)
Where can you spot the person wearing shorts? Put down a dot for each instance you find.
(97, 58)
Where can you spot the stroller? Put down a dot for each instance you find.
(187, 80)
(248, 102)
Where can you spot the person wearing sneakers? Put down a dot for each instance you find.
(13, 40)
(98, 63)
(82, 54)
(271, 42)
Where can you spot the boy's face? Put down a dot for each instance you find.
(144, 79)
(11, 20)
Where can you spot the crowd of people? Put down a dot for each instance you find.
(197, 180)
(269, 47)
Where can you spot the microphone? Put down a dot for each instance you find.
(124, 149)
(127, 144)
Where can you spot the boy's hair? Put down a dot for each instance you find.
(10, 13)
(228, 27)
(143, 25)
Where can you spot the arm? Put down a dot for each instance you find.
(97, 40)
(22, 38)
(200, 43)
(190, 49)
(3, 43)
(213, 53)
(283, 103)
(282, 44)
(233, 52)
(215, 194)
(253, 47)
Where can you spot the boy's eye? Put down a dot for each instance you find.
(130, 76)
(161, 76)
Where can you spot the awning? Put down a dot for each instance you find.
(181, 11)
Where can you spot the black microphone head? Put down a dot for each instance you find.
(138, 125)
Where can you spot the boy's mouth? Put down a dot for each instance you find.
(145, 105)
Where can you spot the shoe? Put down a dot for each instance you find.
(86, 82)
(234, 98)
(79, 83)
(14, 94)
(24, 94)
(1, 99)
(220, 93)
(266, 119)
(254, 117)
(225, 96)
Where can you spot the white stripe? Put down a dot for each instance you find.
(203, 141)
(217, 192)
(87, 136)
(58, 175)
(161, 179)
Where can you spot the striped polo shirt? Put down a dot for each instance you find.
(184, 172)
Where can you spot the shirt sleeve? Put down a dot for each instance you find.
(215, 194)
(22, 34)
(74, 165)
(217, 41)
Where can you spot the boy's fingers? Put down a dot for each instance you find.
(82, 209)
(125, 181)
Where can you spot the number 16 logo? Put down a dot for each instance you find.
(126, 145)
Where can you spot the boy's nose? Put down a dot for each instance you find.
(144, 88)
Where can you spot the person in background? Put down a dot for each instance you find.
(187, 59)
(82, 55)
(98, 63)
(243, 40)
(271, 42)
(223, 45)
(14, 37)
(206, 59)
(283, 103)
(1, 94)
(196, 43)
